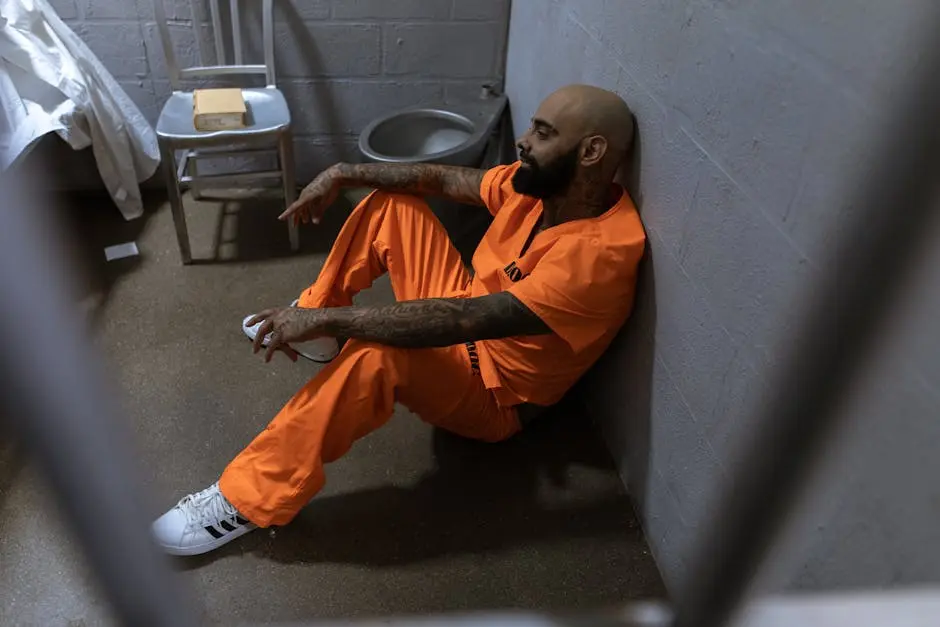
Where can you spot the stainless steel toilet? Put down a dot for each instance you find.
(452, 134)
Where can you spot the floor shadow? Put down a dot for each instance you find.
(89, 223)
(481, 497)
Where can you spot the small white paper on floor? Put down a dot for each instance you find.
(120, 251)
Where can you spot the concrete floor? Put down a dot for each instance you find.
(412, 521)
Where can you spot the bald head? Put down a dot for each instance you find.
(591, 111)
(579, 133)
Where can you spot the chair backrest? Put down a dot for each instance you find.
(222, 67)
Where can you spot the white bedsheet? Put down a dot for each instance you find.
(50, 82)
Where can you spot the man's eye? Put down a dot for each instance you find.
(541, 134)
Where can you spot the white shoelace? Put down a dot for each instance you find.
(207, 507)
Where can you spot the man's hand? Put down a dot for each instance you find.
(285, 324)
(315, 198)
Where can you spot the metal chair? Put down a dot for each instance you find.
(268, 126)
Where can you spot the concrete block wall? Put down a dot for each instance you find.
(341, 63)
(754, 124)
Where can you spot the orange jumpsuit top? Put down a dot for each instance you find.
(579, 277)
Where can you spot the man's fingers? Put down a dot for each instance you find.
(273, 345)
(295, 207)
(263, 330)
(312, 216)
(258, 317)
(301, 210)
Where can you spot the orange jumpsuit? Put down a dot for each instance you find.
(579, 279)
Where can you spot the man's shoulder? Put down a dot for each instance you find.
(620, 228)
(609, 248)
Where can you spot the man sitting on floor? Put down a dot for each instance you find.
(468, 351)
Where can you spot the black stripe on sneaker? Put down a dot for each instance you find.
(226, 525)
(215, 533)
(240, 520)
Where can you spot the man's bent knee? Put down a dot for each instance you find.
(399, 200)
(369, 351)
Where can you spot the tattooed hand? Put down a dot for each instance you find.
(286, 325)
(315, 198)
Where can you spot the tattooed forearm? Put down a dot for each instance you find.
(455, 183)
(434, 321)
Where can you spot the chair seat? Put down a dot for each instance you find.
(267, 113)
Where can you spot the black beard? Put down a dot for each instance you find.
(549, 180)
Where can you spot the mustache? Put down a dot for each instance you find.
(526, 159)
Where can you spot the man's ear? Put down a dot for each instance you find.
(593, 149)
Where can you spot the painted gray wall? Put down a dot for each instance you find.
(340, 63)
(753, 122)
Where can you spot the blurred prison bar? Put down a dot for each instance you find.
(60, 405)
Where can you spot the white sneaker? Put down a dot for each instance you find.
(320, 350)
(200, 523)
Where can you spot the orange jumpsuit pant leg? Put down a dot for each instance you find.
(283, 467)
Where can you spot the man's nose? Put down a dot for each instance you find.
(522, 144)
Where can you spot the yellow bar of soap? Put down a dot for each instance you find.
(218, 109)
